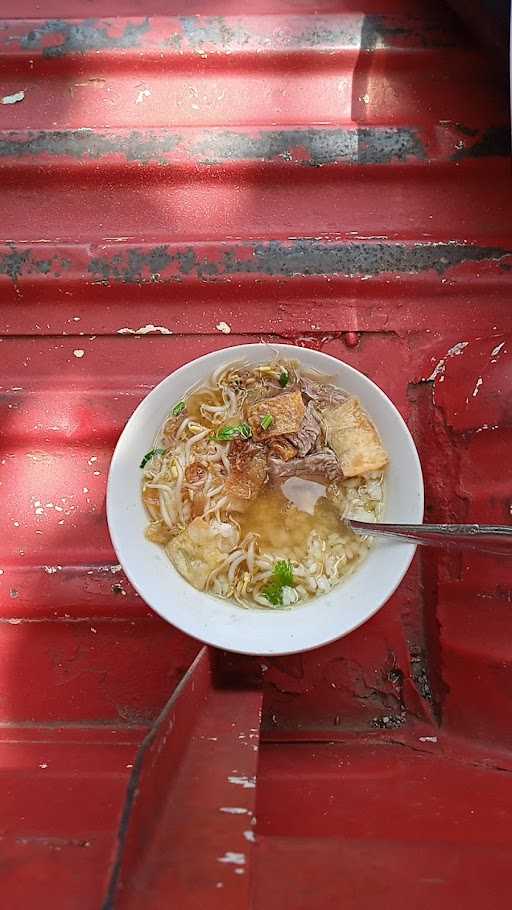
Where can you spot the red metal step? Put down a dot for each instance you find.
(188, 826)
(62, 797)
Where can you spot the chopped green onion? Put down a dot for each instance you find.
(283, 570)
(267, 421)
(282, 577)
(224, 434)
(274, 593)
(149, 455)
(178, 409)
(245, 431)
(284, 379)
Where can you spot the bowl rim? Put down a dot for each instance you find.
(233, 353)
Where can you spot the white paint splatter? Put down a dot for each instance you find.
(146, 330)
(113, 569)
(223, 327)
(497, 349)
(248, 783)
(51, 570)
(455, 351)
(43, 764)
(238, 859)
(13, 99)
(250, 836)
(78, 353)
(438, 369)
(428, 739)
(477, 387)
(144, 93)
(234, 810)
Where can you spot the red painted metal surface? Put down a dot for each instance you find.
(374, 823)
(332, 173)
(189, 819)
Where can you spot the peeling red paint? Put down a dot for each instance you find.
(471, 388)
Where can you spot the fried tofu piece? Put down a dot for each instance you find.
(248, 463)
(283, 449)
(354, 439)
(286, 410)
(200, 548)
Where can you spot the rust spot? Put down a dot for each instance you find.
(133, 266)
(493, 142)
(299, 258)
(52, 843)
(81, 37)
(16, 264)
(288, 259)
(211, 30)
(314, 147)
(83, 144)
(420, 675)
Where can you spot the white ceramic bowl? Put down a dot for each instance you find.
(222, 623)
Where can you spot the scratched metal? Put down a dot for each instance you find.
(56, 38)
(299, 147)
(297, 259)
(339, 179)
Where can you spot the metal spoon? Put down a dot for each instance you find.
(495, 539)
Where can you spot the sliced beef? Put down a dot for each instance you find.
(306, 438)
(322, 394)
(321, 465)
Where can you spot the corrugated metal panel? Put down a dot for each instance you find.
(336, 174)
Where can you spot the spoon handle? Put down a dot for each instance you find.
(486, 538)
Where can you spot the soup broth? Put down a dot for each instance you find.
(250, 479)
